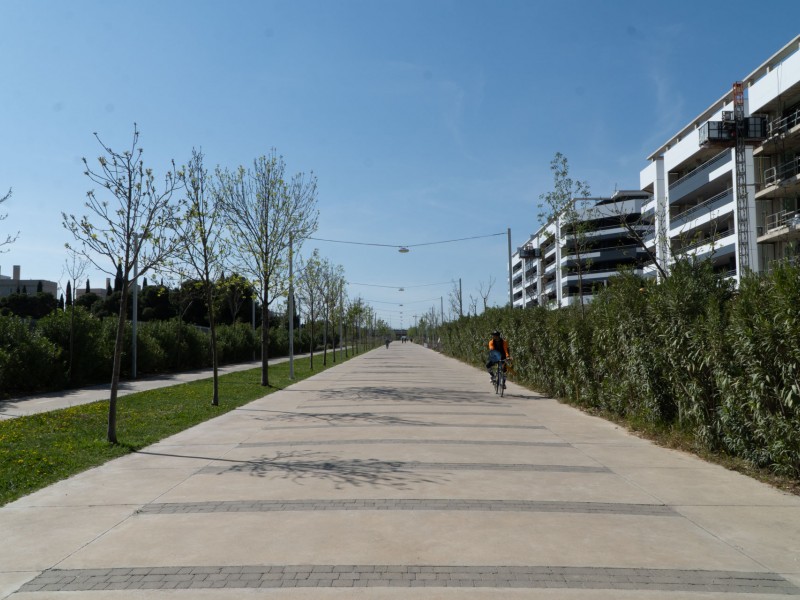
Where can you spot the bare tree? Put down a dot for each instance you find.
(456, 299)
(642, 228)
(472, 307)
(309, 283)
(484, 290)
(134, 227)
(75, 267)
(201, 233)
(10, 238)
(265, 211)
(572, 222)
(331, 290)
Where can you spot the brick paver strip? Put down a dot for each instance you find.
(405, 441)
(404, 424)
(262, 466)
(653, 510)
(403, 412)
(280, 576)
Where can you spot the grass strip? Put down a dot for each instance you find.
(41, 449)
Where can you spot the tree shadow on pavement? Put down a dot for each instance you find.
(343, 418)
(342, 472)
(426, 395)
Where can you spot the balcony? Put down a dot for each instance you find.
(614, 254)
(696, 243)
(705, 207)
(780, 180)
(783, 226)
(697, 178)
(784, 124)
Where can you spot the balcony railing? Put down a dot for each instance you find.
(774, 175)
(703, 207)
(789, 260)
(781, 219)
(702, 242)
(698, 177)
(783, 124)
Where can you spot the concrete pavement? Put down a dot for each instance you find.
(400, 474)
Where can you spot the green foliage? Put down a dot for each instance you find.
(26, 355)
(35, 357)
(27, 305)
(688, 354)
(93, 351)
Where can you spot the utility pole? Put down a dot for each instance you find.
(510, 276)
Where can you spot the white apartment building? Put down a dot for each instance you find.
(556, 262)
(738, 208)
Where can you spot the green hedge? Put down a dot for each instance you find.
(691, 353)
(35, 356)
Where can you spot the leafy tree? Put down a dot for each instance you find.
(87, 301)
(118, 278)
(309, 284)
(156, 304)
(233, 291)
(28, 305)
(331, 286)
(265, 211)
(202, 246)
(134, 226)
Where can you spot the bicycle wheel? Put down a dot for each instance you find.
(502, 378)
(497, 375)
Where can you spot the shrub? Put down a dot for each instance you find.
(29, 362)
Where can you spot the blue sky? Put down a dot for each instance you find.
(424, 121)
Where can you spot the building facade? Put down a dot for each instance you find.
(577, 252)
(725, 188)
(10, 285)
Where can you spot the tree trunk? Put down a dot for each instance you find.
(325, 342)
(264, 337)
(71, 342)
(111, 435)
(214, 359)
(311, 340)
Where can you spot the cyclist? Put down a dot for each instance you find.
(498, 350)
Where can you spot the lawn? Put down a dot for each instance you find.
(39, 450)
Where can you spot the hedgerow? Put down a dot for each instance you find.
(719, 364)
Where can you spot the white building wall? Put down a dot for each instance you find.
(776, 81)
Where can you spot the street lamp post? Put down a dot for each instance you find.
(135, 306)
(291, 313)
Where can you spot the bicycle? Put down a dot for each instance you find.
(499, 379)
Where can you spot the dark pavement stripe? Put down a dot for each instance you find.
(290, 576)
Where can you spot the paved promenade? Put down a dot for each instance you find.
(400, 474)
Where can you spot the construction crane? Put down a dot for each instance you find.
(737, 130)
(743, 211)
